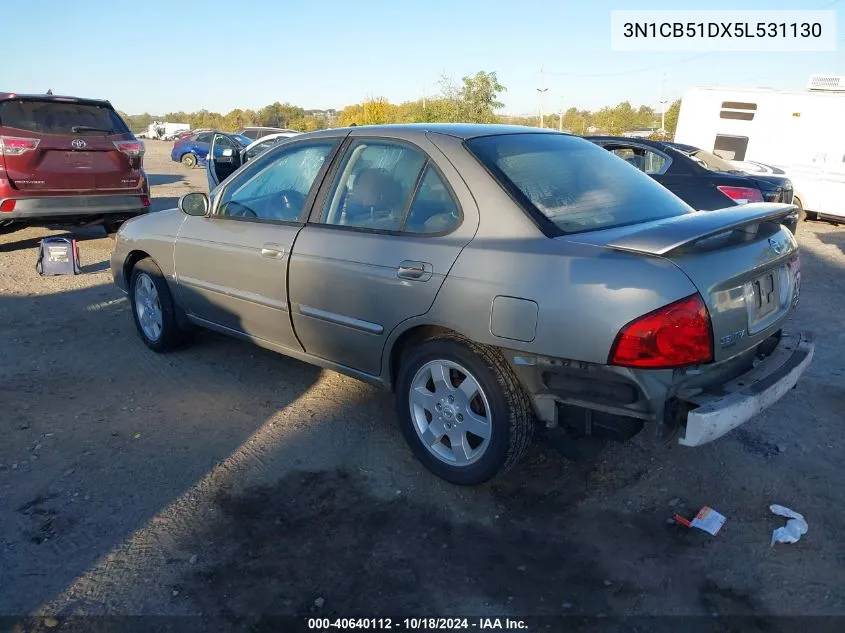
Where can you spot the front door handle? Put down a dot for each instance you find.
(272, 251)
(420, 271)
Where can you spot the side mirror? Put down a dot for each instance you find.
(195, 204)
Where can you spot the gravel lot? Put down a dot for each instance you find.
(226, 480)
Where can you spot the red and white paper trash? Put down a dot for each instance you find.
(707, 519)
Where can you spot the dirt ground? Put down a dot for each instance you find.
(225, 480)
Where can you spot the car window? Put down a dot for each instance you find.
(276, 190)
(433, 209)
(250, 133)
(570, 184)
(259, 148)
(730, 147)
(654, 162)
(373, 186)
(222, 143)
(643, 159)
(203, 138)
(60, 117)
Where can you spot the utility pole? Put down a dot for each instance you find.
(542, 90)
(663, 106)
(424, 89)
(560, 127)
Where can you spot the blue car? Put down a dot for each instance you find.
(193, 150)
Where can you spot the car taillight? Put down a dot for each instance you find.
(145, 200)
(15, 146)
(130, 148)
(675, 335)
(742, 195)
(7, 206)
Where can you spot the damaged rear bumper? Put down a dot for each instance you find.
(749, 394)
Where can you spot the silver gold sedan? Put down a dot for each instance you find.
(496, 278)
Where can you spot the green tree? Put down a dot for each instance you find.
(280, 115)
(671, 118)
(236, 119)
(176, 117)
(137, 122)
(475, 99)
(373, 111)
(647, 117)
(576, 120)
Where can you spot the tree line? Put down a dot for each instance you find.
(475, 99)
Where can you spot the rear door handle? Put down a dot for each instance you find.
(419, 271)
(272, 251)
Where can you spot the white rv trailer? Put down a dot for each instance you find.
(802, 133)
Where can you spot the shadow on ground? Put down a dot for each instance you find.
(100, 434)
(80, 233)
(835, 237)
(164, 179)
(164, 203)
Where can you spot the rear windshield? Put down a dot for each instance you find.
(57, 117)
(572, 185)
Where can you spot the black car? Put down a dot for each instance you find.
(701, 179)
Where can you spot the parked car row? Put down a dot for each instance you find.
(497, 279)
(193, 149)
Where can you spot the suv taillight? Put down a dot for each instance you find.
(15, 146)
(675, 335)
(130, 148)
(742, 195)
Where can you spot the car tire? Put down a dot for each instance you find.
(189, 160)
(153, 308)
(499, 399)
(803, 214)
(112, 227)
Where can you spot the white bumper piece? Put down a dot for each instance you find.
(749, 394)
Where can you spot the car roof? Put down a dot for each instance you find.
(462, 131)
(273, 137)
(6, 96)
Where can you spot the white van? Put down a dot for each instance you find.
(802, 133)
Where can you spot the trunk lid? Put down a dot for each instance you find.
(77, 147)
(743, 263)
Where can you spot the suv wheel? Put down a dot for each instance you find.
(189, 160)
(112, 227)
(803, 214)
(153, 309)
(461, 410)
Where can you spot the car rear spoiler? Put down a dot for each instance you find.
(683, 230)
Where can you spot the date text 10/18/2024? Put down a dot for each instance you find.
(417, 624)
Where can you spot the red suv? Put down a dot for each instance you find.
(69, 161)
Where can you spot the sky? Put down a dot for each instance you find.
(148, 56)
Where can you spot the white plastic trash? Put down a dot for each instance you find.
(794, 528)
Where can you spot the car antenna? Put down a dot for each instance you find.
(49, 91)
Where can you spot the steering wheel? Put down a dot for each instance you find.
(291, 202)
(237, 210)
